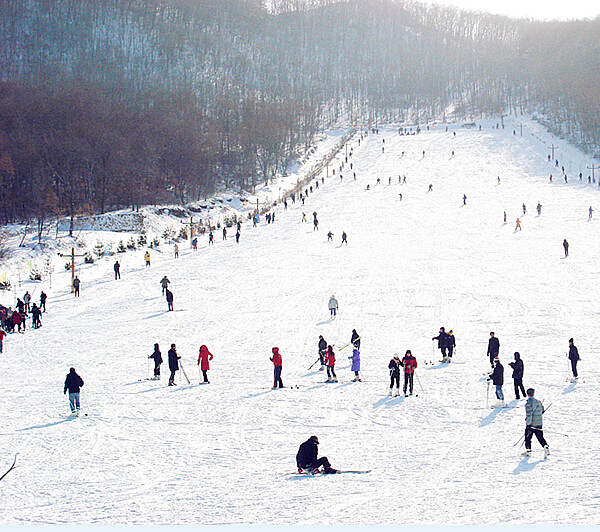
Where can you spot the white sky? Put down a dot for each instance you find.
(538, 9)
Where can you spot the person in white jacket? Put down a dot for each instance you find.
(333, 306)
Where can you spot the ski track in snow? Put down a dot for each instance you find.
(150, 454)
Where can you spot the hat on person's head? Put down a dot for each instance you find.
(530, 392)
(571, 340)
(315, 439)
(396, 355)
(172, 346)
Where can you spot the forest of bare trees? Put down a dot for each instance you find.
(113, 103)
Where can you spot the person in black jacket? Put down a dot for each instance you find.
(322, 352)
(442, 339)
(169, 296)
(43, 298)
(573, 357)
(36, 316)
(394, 367)
(451, 344)
(306, 458)
(518, 368)
(157, 362)
(173, 364)
(497, 378)
(73, 383)
(493, 348)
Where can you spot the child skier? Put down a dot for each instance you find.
(331, 376)
(394, 367)
(355, 358)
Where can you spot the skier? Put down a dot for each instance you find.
(173, 364)
(534, 410)
(76, 283)
(504, 216)
(566, 246)
(237, 237)
(450, 344)
(117, 268)
(27, 301)
(333, 306)
(331, 376)
(157, 362)
(303, 217)
(573, 357)
(409, 363)
(277, 365)
(430, 188)
(355, 339)
(73, 383)
(169, 296)
(442, 339)
(224, 233)
(344, 238)
(394, 367)
(164, 282)
(195, 244)
(524, 210)
(539, 208)
(590, 213)
(307, 461)
(20, 306)
(43, 298)
(518, 368)
(355, 358)
(211, 239)
(147, 259)
(330, 237)
(176, 250)
(36, 315)
(203, 357)
(315, 225)
(322, 352)
(493, 348)
(16, 319)
(464, 198)
(518, 226)
(497, 378)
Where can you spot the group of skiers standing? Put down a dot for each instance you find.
(174, 362)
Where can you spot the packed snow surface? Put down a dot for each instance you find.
(222, 453)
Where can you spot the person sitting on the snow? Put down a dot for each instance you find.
(307, 461)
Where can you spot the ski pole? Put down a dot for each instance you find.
(520, 440)
(487, 395)
(314, 363)
(554, 432)
(184, 373)
(420, 385)
(148, 367)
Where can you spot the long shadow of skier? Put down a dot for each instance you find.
(569, 388)
(525, 466)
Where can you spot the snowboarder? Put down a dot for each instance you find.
(442, 339)
(331, 376)
(277, 365)
(157, 362)
(355, 358)
(73, 383)
(173, 364)
(27, 301)
(203, 357)
(147, 259)
(76, 284)
(518, 368)
(344, 238)
(573, 357)
(43, 298)
(394, 367)
(493, 348)
(164, 282)
(534, 410)
(36, 315)
(566, 246)
(497, 378)
(322, 352)
(117, 268)
(355, 339)
(409, 363)
(307, 461)
(333, 306)
(169, 296)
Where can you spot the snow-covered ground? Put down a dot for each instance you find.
(151, 454)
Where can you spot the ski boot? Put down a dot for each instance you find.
(546, 452)
(526, 453)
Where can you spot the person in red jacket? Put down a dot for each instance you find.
(203, 358)
(277, 363)
(409, 363)
(330, 358)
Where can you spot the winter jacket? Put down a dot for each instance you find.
(203, 358)
(409, 363)
(164, 282)
(73, 382)
(43, 298)
(451, 340)
(20, 306)
(517, 367)
(533, 412)
(355, 360)
(16, 318)
(76, 282)
(147, 256)
(26, 298)
(394, 367)
(330, 357)
(493, 346)
(307, 453)
(497, 376)
(36, 312)
(169, 296)
(333, 303)
(442, 339)
(173, 360)
(322, 345)
(573, 353)
(157, 357)
(276, 358)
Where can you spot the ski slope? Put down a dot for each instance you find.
(146, 453)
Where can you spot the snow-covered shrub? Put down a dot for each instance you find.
(156, 241)
(121, 247)
(35, 275)
(168, 235)
(88, 258)
(131, 244)
(99, 249)
(142, 241)
(183, 234)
